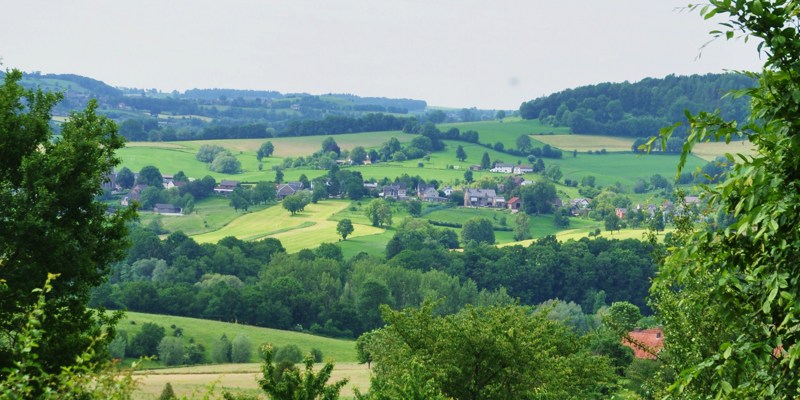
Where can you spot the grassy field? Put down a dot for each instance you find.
(239, 378)
(505, 132)
(584, 143)
(194, 382)
(711, 150)
(206, 332)
(306, 229)
(209, 214)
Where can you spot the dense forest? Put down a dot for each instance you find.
(318, 291)
(640, 109)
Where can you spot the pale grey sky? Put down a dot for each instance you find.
(454, 53)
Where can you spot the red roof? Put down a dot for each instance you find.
(646, 343)
(513, 200)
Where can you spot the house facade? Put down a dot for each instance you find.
(523, 169)
(226, 187)
(481, 198)
(288, 189)
(503, 167)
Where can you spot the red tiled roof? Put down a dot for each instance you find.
(646, 343)
(513, 200)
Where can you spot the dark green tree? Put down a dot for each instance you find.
(378, 212)
(263, 193)
(477, 230)
(226, 164)
(612, 222)
(145, 343)
(414, 208)
(358, 155)
(52, 222)
(461, 155)
(167, 393)
(294, 203)
(265, 150)
(524, 143)
(125, 178)
(344, 228)
(538, 198)
(150, 176)
(208, 152)
(468, 178)
(486, 163)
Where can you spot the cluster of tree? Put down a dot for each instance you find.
(333, 125)
(639, 109)
(218, 159)
(498, 352)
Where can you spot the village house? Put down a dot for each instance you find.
(480, 198)
(447, 191)
(579, 206)
(225, 187)
(428, 193)
(503, 167)
(646, 343)
(395, 191)
(475, 167)
(514, 203)
(288, 189)
(133, 195)
(621, 212)
(523, 169)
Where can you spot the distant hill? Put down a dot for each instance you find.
(150, 115)
(639, 109)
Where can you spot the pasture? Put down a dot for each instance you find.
(710, 150)
(304, 230)
(194, 382)
(505, 132)
(209, 214)
(205, 332)
(584, 143)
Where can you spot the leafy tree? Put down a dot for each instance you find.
(150, 176)
(52, 222)
(240, 199)
(612, 222)
(221, 350)
(294, 203)
(378, 212)
(344, 228)
(414, 208)
(226, 164)
(241, 349)
(485, 353)
(538, 198)
(477, 230)
(522, 230)
(286, 382)
(561, 217)
(167, 393)
(125, 178)
(728, 298)
(500, 114)
(486, 163)
(461, 155)
(278, 175)
(264, 192)
(289, 353)
(524, 143)
(265, 150)
(329, 145)
(468, 178)
(208, 152)
(358, 155)
(145, 343)
(118, 346)
(362, 348)
(657, 221)
(171, 351)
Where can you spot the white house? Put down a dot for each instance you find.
(503, 167)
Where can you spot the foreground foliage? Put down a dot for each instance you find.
(728, 298)
(483, 353)
(52, 222)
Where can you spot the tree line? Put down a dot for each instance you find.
(640, 109)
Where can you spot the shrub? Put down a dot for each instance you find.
(241, 349)
(289, 353)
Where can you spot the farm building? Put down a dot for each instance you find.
(646, 343)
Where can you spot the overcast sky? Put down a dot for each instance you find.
(453, 53)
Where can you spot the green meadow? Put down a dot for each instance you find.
(240, 378)
(506, 131)
(304, 230)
